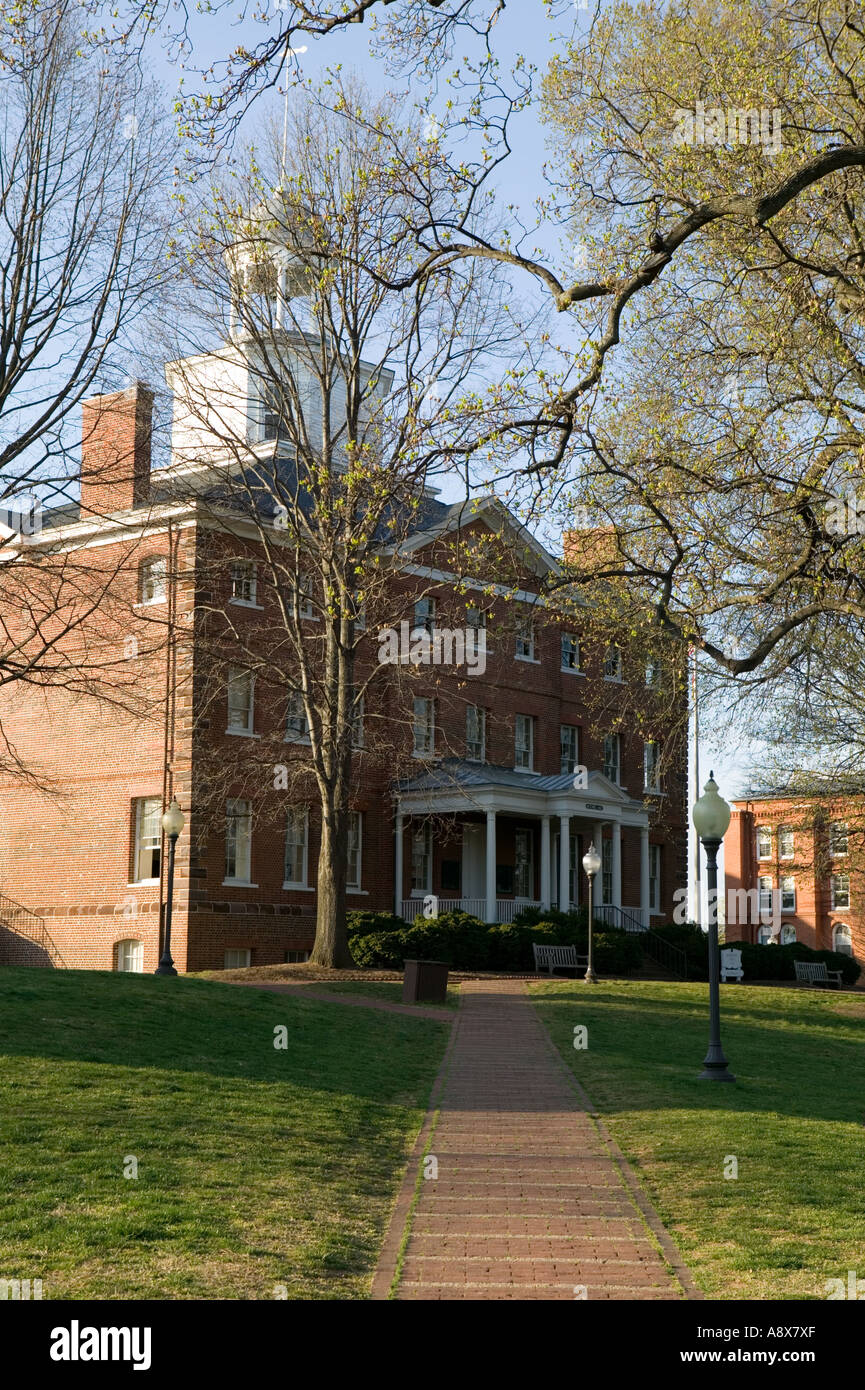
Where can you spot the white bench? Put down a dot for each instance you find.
(731, 966)
(558, 957)
(814, 972)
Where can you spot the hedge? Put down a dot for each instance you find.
(469, 944)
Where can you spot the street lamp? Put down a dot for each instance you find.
(711, 816)
(591, 864)
(172, 824)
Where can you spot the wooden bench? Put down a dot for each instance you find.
(814, 972)
(558, 958)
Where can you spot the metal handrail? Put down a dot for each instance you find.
(22, 922)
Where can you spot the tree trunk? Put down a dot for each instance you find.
(331, 938)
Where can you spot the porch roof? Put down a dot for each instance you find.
(453, 784)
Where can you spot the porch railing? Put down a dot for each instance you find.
(506, 908)
(20, 922)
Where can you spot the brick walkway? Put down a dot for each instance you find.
(532, 1198)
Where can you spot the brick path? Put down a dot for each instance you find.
(532, 1198)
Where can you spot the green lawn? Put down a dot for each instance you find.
(257, 1167)
(794, 1120)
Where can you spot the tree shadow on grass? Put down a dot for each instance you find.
(182, 1025)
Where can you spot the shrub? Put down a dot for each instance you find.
(777, 962)
(382, 950)
(364, 923)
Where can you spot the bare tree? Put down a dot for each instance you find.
(311, 434)
(86, 163)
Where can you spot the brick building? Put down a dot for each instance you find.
(478, 804)
(793, 871)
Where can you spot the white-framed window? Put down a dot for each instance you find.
(788, 934)
(153, 579)
(525, 640)
(476, 618)
(652, 765)
(788, 894)
(423, 726)
(606, 871)
(653, 671)
(476, 733)
(129, 956)
(275, 414)
(358, 613)
(840, 890)
(296, 957)
(421, 860)
(842, 939)
(240, 700)
(148, 839)
(238, 841)
(355, 850)
(785, 842)
(764, 894)
(612, 663)
(524, 742)
(296, 723)
(765, 936)
(425, 615)
(244, 582)
(296, 847)
(654, 878)
(524, 864)
(303, 590)
(569, 747)
(237, 958)
(764, 842)
(839, 838)
(570, 652)
(612, 756)
(357, 713)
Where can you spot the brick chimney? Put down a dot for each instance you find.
(115, 450)
(591, 547)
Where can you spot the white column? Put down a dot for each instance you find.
(564, 863)
(617, 864)
(545, 862)
(598, 885)
(397, 864)
(644, 874)
(491, 867)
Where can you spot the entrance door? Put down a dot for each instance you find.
(474, 861)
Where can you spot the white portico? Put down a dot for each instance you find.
(522, 837)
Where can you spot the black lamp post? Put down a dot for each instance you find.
(172, 824)
(591, 864)
(711, 816)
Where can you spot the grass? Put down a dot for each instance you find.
(794, 1121)
(391, 993)
(257, 1167)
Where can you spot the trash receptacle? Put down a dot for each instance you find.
(425, 980)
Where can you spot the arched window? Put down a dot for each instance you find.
(766, 937)
(129, 956)
(842, 939)
(788, 935)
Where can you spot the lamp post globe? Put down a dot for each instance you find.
(591, 864)
(711, 816)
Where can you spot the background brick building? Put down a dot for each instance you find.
(81, 847)
(806, 852)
